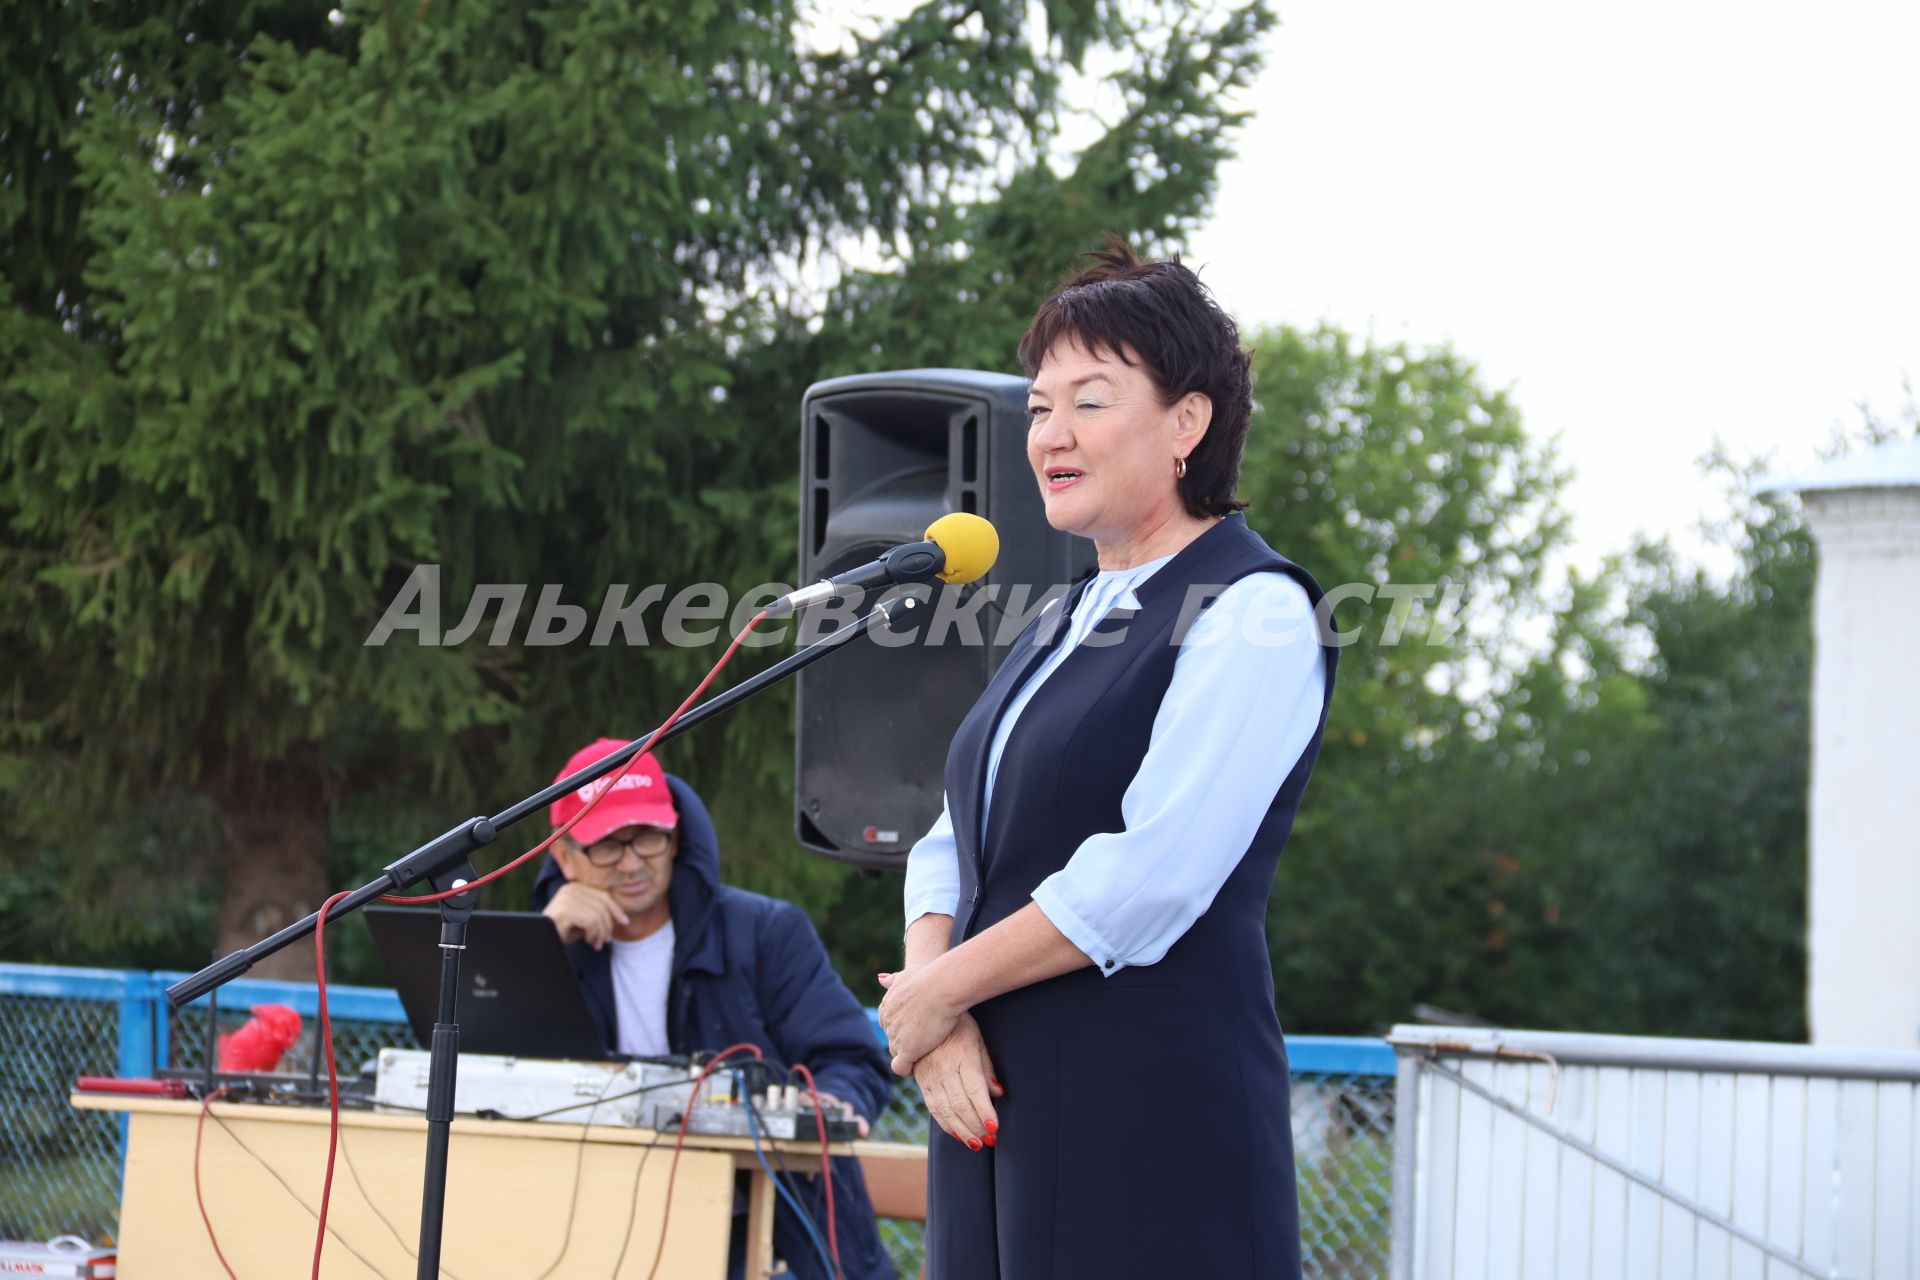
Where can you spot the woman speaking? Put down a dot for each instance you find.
(1086, 1001)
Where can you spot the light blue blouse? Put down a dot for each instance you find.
(1243, 703)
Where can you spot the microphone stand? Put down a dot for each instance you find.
(444, 862)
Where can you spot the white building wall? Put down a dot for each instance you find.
(1863, 939)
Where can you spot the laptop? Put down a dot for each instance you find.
(518, 995)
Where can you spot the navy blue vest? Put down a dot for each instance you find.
(1146, 1127)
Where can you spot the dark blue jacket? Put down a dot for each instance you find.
(750, 968)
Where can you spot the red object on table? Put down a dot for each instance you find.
(121, 1084)
(259, 1045)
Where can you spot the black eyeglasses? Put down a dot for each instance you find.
(648, 842)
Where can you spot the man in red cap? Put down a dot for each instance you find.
(618, 860)
(672, 961)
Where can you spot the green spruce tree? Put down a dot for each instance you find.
(298, 302)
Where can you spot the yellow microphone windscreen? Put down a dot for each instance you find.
(968, 542)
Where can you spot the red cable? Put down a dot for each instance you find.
(826, 1160)
(561, 830)
(686, 1115)
(333, 1079)
(199, 1199)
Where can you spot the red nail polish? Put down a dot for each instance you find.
(992, 1138)
(973, 1144)
(993, 1127)
(1002, 1088)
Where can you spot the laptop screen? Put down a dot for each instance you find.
(518, 995)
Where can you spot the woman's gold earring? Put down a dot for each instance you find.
(1179, 468)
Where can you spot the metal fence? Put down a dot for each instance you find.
(60, 1170)
(1528, 1155)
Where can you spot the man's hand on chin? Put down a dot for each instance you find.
(582, 912)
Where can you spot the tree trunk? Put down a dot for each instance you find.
(275, 829)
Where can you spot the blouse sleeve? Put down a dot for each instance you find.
(1243, 704)
(933, 870)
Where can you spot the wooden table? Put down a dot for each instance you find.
(512, 1189)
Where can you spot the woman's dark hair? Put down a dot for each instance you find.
(1160, 313)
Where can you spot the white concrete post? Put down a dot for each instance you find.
(1863, 838)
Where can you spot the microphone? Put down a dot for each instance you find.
(958, 547)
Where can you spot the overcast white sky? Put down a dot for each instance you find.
(1656, 223)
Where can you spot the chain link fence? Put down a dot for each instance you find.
(60, 1169)
(904, 1120)
(1343, 1153)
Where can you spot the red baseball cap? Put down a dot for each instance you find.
(638, 796)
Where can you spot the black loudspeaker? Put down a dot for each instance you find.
(882, 456)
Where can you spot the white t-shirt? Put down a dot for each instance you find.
(641, 973)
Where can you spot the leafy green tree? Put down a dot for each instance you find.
(1655, 825)
(1605, 832)
(1415, 495)
(1396, 473)
(296, 302)
(1618, 844)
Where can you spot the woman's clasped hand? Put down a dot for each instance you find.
(959, 1083)
(942, 1049)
